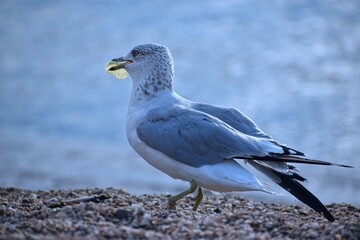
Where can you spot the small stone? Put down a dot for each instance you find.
(53, 200)
(25, 201)
(313, 234)
(248, 221)
(89, 214)
(79, 207)
(33, 196)
(338, 237)
(268, 225)
(302, 212)
(255, 223)
(67, 209)
(68, 222)
(140, 217)
(314, 225)
(12, 210)
(123, 214)
(2, 208)
(39, 204)
(10, 227)
(217, 210)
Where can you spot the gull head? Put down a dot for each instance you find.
(150, 65)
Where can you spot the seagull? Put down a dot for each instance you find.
(201, 143)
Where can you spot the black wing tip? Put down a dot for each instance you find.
(345, 166)
(289, 183)
(329, 217)
(298, 177)
(290, 152)
(276, 157)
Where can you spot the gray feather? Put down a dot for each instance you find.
(195, 138)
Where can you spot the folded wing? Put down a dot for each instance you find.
(196, 138)
(273, 165)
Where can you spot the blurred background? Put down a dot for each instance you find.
(292, 66)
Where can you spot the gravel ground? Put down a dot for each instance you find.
(115, 214)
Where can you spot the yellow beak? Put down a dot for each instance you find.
(116, 67)
(116, 64)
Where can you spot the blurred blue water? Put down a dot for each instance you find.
(293, 66)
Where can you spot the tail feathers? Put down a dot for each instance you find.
(301, 193)
(269, 188)
(274, 157)
(290, 183)
(298, 177)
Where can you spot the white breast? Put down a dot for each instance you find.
(137, 112)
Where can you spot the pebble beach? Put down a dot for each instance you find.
(116, 214)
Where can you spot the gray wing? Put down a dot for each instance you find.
(242, 123)
(276, 161)
(234, 118)
(196, 138)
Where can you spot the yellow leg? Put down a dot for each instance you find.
(172, 200)
(199, 197)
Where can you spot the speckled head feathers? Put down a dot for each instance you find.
(152, 68)
(152, 48)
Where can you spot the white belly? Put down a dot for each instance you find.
(161, 161)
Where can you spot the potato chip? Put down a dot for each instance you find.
(120, 73)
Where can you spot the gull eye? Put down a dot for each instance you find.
(135, 53)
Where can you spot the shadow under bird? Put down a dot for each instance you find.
(201, 143)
